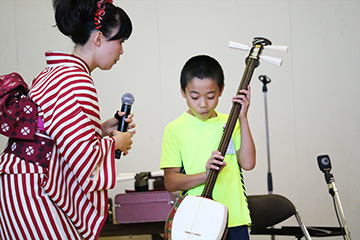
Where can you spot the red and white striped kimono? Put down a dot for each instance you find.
(67, 200)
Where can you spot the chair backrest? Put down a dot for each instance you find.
(269, 210)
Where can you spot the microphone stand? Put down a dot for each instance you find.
(330, 180)
(265, 80)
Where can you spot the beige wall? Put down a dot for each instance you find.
(312, 99)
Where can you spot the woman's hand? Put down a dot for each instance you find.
(111, 124)
(123, 140)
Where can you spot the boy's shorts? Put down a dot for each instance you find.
(238, 233)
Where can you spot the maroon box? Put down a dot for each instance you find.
(152, 206)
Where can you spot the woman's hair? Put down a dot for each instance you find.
(76, 19)
(202, 66)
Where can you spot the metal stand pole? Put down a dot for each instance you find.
(265, 80)
(330, 180)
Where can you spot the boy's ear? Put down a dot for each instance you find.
(182, 92)
(221, 90)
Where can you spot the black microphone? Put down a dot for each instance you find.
(324, 163)
(127, 100)
(325, 166)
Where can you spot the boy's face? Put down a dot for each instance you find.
(202, 96)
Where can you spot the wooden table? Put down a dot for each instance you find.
(147, 228)
(156, 229)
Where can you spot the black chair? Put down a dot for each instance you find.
(269, 210)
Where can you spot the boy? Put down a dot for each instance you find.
(190, 143)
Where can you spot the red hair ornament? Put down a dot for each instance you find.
(100, 12)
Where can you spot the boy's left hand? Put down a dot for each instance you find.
(214, 163)
(244, 99)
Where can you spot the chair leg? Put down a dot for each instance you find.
(156, 237)
(302, 226)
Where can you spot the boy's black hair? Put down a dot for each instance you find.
(202, 66)
(75, 19)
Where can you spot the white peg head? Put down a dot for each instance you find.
(276, 61)
(281, 49)
(239, 46)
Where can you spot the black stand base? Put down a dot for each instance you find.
(297, 233)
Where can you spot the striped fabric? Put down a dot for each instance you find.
(69, 199)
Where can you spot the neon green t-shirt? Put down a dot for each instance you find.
(189, 142)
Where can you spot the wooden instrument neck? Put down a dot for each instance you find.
(252, 61)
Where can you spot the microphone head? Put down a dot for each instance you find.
(324, 163)
(128, 99)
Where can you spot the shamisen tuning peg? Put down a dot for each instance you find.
(267, 46)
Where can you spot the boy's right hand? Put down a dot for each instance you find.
(213, 163)
(244, 99)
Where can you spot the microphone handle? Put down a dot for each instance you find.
(122, 127)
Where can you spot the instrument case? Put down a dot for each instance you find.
(151, 206)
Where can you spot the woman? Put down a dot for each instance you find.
(55, 185)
